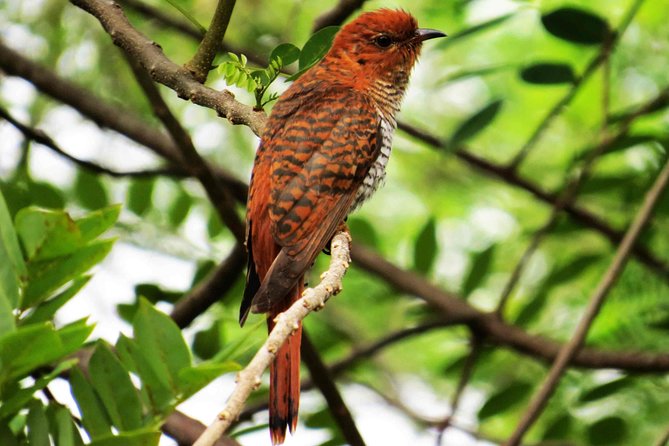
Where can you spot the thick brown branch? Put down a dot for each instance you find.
(494, 331)
(211, 289)
(162, 70)
(212, 42)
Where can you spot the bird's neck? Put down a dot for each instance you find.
(384, 86)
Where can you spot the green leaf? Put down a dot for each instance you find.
(608, 389)
(93, 414)
(609, 431)
(45, 195)
(137, 438)
(548, 73)
(558, 429)
(316, 47)
(161, 342)
(12, 269)
(38, 425)
(473, 30)
(425, 249)
(112, 383)
(576, 26)
(508, 397)
(156, 388)
(73, 335)
(46, 310)
(140, 195)
(479, 269)
(90, 191)
(179, 208)
(46, 276)
(15, 401)
(287, 52)
(363, 231)
(193, 379)
(7, 435)
(97, 222)
(28, 348)
(63, 430)
(475, 123)
(47, 234)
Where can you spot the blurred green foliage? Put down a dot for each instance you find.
(485, 89)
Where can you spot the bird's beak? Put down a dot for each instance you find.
(427, 33)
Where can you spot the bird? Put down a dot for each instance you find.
(322, 154)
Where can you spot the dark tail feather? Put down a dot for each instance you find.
(284, 384)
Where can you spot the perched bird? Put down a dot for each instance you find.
(323, 152)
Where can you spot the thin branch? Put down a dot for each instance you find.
(511, 177)
(338, 14)
(40, 137)
(286, 322)
(211, 44)
(323, 379)
(162, 70)
(590, 69)
(211, 289)
(219, 197)
(103, 113)
(568, 351)
(455, 311)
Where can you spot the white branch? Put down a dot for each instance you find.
(286, 323)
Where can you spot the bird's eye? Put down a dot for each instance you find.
(383, 41)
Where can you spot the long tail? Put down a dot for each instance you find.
(284, 383)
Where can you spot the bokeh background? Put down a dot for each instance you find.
(518, 105)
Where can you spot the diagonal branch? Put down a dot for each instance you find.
(219, 197)
(212, 42)
(312, 299)
(162, 70)
(40, 137)
(103, 113)
(338, 14)
(323, 379)
(568, 351)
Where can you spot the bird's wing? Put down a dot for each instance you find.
(320, 158)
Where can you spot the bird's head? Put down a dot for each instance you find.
(381, 44)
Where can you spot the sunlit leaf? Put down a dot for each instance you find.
(288, 53)
(93, 414)
(475, 123)
(12, 269)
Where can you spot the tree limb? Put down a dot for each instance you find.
(338, 14)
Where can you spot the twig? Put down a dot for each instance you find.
(467, 372)
(608, 280)
(219, 197)
(200, 64)
(166, 72)
(211, 289)
(592, 66)
(40, 137)
(338, 14)
(312, 299)
(322, 378)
